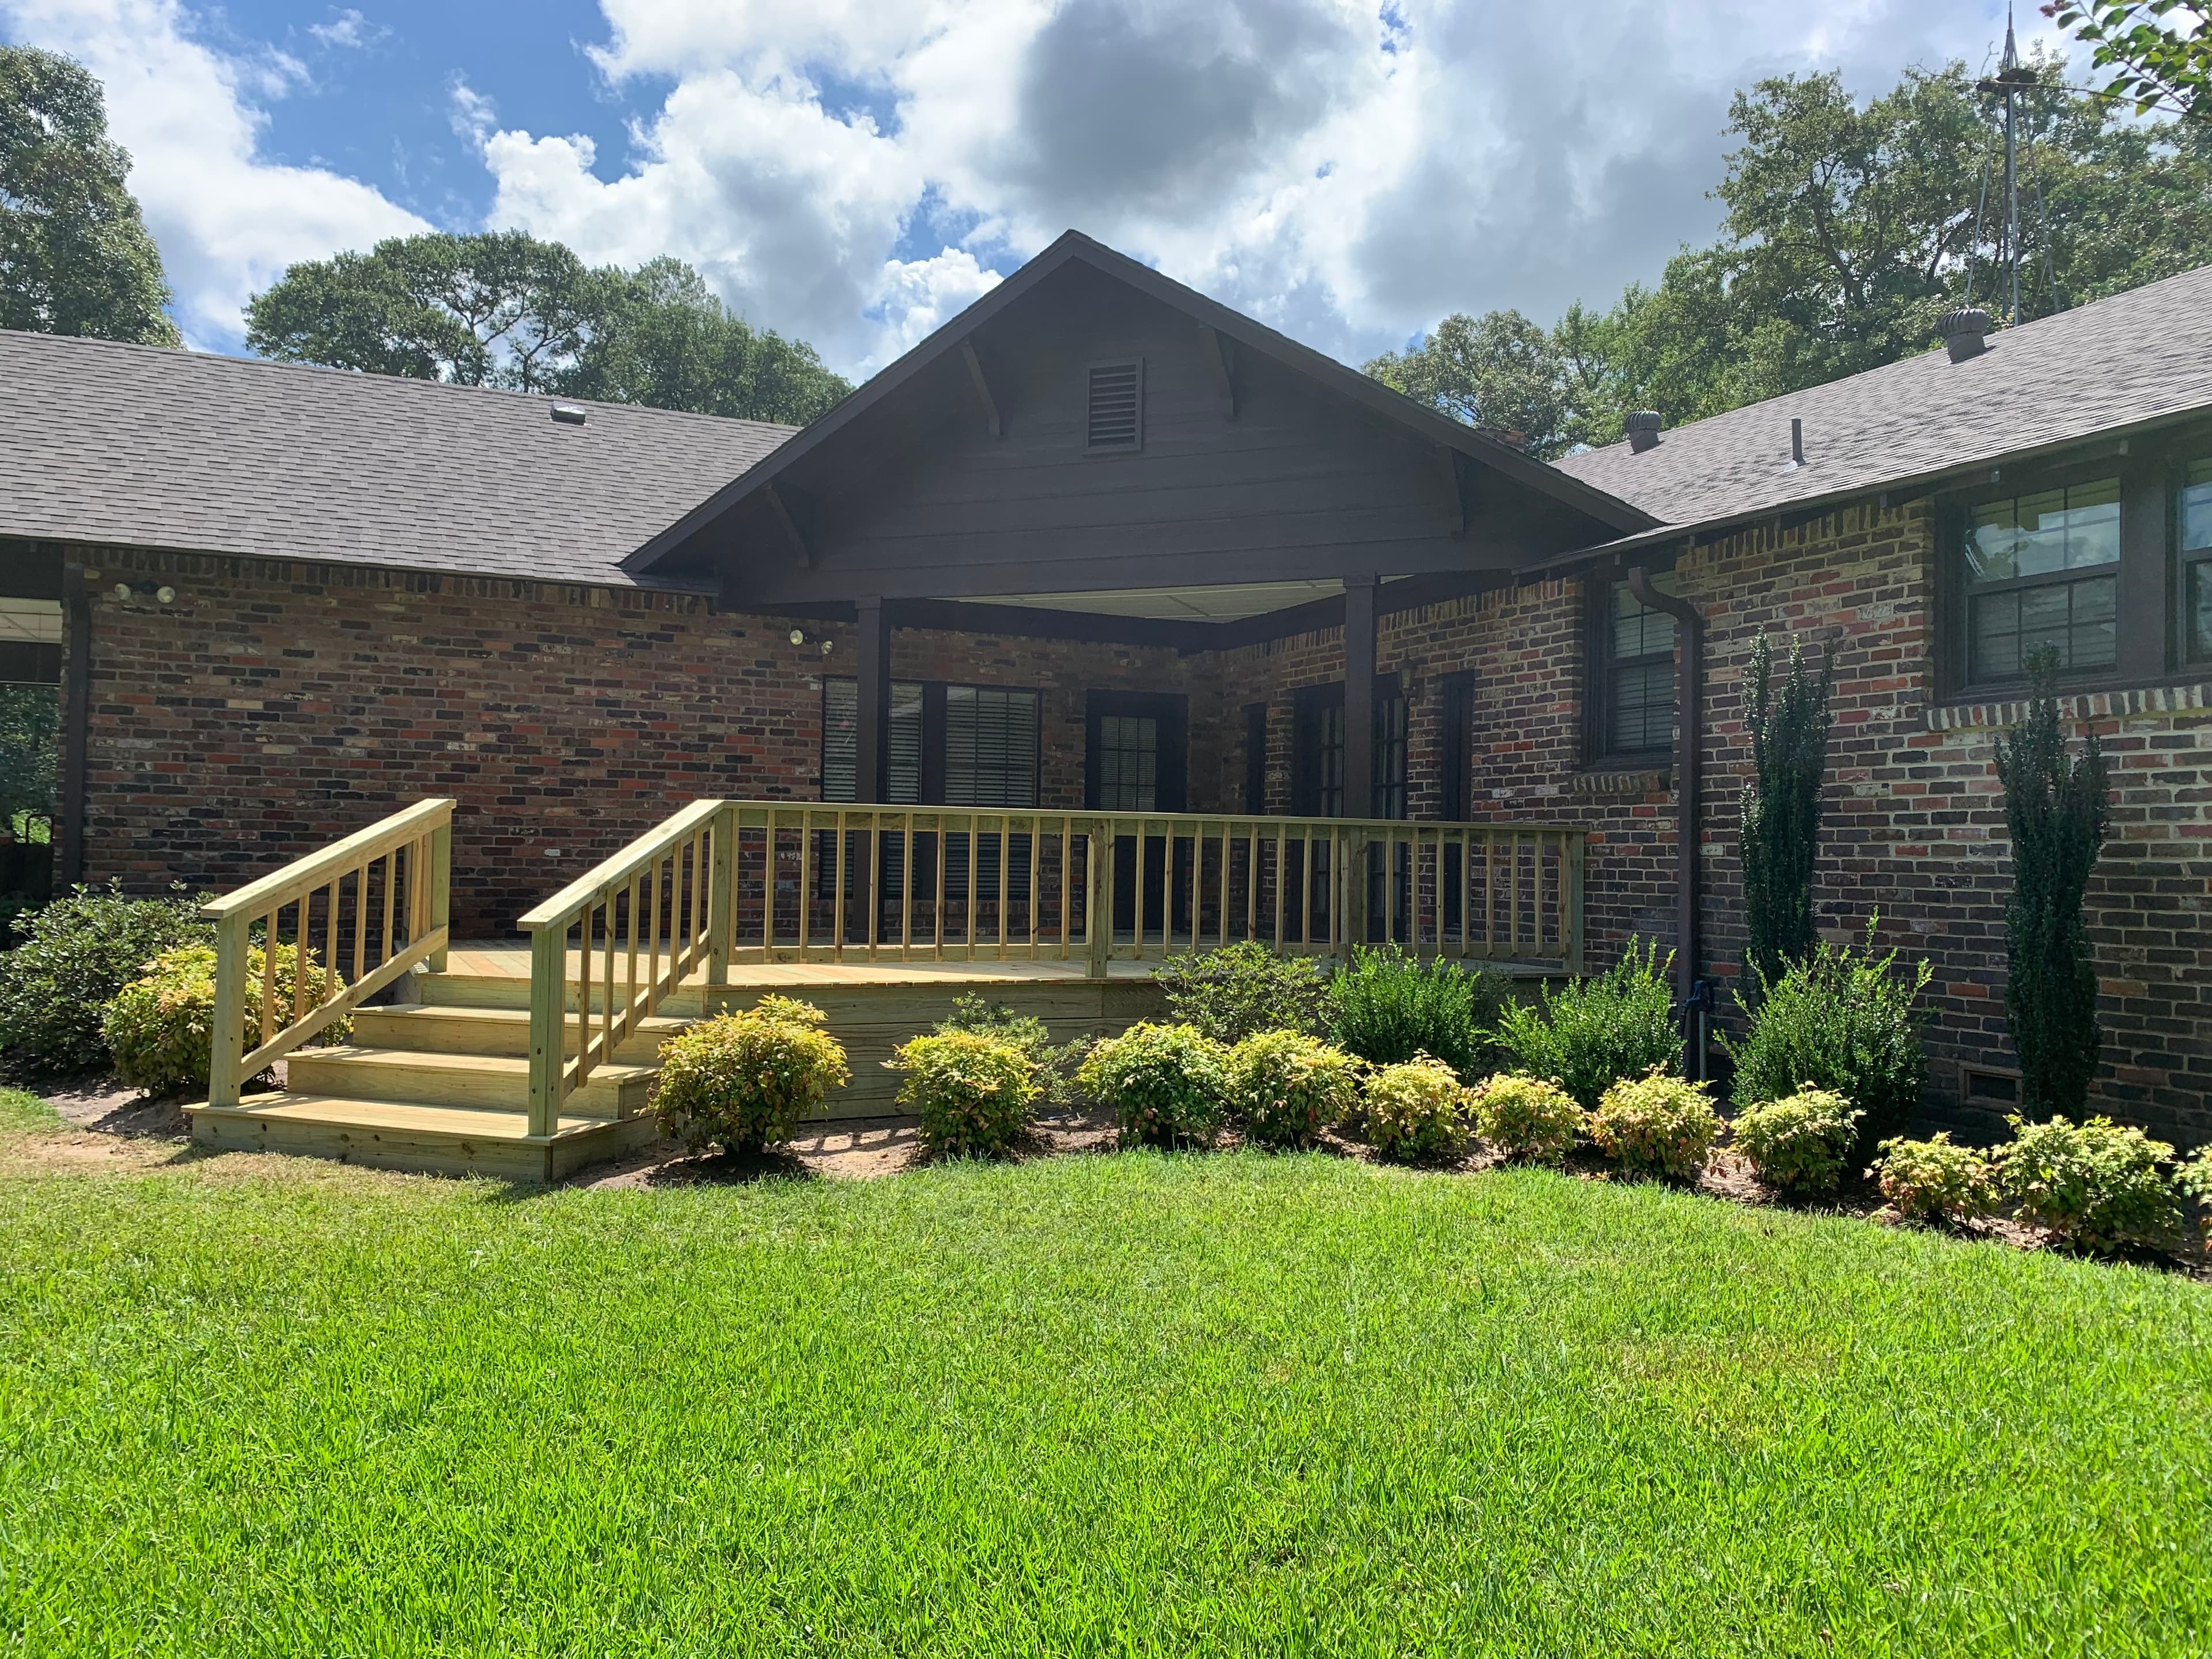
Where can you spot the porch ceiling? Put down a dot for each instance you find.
(1229, 602)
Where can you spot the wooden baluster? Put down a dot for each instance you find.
(607, 978)
(1006, 853)
(906, 890)
(652, 938)
(330, 945)
(269, 974)
(805, 878)
(937, 904)
(359, 922)
(1066, 886)
(1036, 861)
(1282, 875)
(390, 890)
(875, 881)
(629, 984)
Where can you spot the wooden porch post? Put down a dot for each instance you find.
(871, 749)
(1360, 697)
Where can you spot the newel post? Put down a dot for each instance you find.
(549, 1024)
(224, 1079)
(1098, 902)
(722, 896)
(440, 881)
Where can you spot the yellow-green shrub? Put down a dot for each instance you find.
(1801, 1142)
(2096, 1184)
(1168, 1084)
(743, 1080)
(1935, 1181)
(1287, 1087)
(1417, 1111)
(159, 1026)
(973, 1092)
(1527, 1117)
(1656, 1125)
(2194, 1179)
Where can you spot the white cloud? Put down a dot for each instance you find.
(228, 222)
(349, 30)
(1346, 174)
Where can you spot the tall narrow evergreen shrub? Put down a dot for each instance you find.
(1782, 806)
(2056, 812)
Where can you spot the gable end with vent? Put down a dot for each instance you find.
(1114, 406)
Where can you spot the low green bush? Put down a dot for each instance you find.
(1656, 1125)
(1801, 1143)
(1843, 1020)
(1167, 1085)
(1594, 1032)
(1285, 1087)
(1243, 989)
(159, 1027)
(2095, 1185)
(745, 1080)
(1416, 1111)
(972, 1091)
(1528, 1118)
(1055, 1066)
(2194, 1181)
(1934, 1180)
(1387, 1006)
(70, 958)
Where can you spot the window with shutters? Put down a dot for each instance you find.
(1114, 414)
(950, 745)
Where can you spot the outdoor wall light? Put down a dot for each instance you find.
(798, 637)
(153, 591)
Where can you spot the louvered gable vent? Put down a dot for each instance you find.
(1115, 416)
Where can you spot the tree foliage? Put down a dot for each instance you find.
(1781, 812)
(1850, 227)
(2155, 64)
(504, 308)
(30, 717)
(2056, 809)
(74, 256)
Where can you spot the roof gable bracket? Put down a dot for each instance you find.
(1454, 492)
(991, 421)
(1216, 361)
(776, 498)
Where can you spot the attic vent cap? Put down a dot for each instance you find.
(1962, 331)
(1642, 426)
(569, 414)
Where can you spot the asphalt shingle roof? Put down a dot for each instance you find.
(2119, 362)
(178, 450)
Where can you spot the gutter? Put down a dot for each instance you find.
(1689, 747)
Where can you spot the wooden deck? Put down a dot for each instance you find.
(440, 1083)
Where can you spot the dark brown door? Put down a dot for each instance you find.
(1136, 759)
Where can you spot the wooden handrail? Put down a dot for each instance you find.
(657, 896)
(360, 880)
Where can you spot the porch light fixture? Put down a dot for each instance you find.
(798, 636)
(157, 592)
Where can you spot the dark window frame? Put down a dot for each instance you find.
(1172, 710)
(1311, 792)
(931, 770)
(1599, 666)
(1136, 446)
(2187, 560)
(1456, 745)
(2153, 572)
(1255, 758)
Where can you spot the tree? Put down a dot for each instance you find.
(1498, 371)
(1781, 812)
(504, 308)
(29, 717)
(75, 256)
(2056, 811)
(2159, 66)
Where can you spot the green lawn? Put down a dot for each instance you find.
(1141, 1404)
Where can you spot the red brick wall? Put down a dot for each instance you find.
(274, 704)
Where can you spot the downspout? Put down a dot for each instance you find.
(1689, 700)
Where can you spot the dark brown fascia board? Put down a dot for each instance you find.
(1074, 246)
(1906, 487)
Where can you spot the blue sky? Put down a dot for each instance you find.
(852, 172)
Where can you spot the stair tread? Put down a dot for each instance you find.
(462, 1122)
(433, 1059)
(427, 1012)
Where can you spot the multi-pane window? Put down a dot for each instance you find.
(2043, 570)
(2193, 520)
(1390, 758)
(957, 745)
(1128, 763)
(1635, 673)
(1326, 759)
(1318, 773)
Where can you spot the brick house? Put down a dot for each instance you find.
(1101, 543)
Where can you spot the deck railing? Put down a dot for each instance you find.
(730, 882)
(381, 897)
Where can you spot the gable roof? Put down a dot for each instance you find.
(1073, 245)
(151, 447)
(2136, 359)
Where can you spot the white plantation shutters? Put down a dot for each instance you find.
(990, 746)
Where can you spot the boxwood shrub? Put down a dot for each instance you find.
(72, 957)
(1167, 1085)
(1387, 1006)
(1592, 1032)
(973, 1092)
(1243, 989)
(743, 1081)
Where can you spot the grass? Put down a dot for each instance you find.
(1134, 1404)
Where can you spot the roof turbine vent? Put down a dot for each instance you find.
(1642, 428)
(1962, 331)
